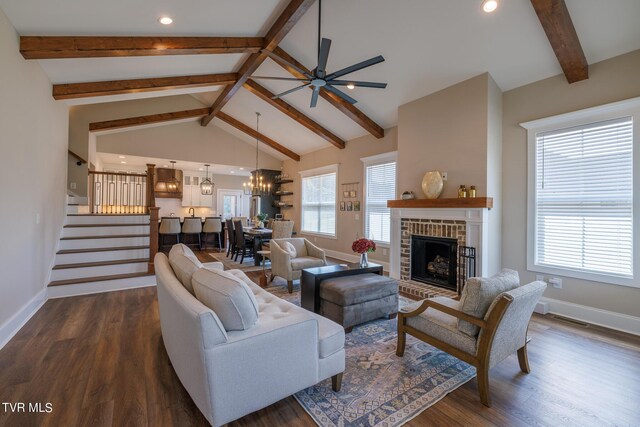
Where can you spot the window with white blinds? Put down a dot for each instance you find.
(583, 201)
(380, 186)
(319, 204)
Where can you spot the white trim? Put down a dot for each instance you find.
(12, 326)
(629, 107)
(320, 235)
(350, 257)
(391, 156)
(101, 287)
(594, 316)
(561, 119)
(319, 171)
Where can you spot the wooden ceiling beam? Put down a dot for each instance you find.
(557, 24)
(264, 94)
(252, 133)
(54, 47)
(285, 22)
(118, 87)
(147, 120)
(345, 107)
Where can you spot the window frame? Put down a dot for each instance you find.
(584, 117)
(378, 159)
(310, 173)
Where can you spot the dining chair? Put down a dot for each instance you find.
(243, 219)
(169, 226)
(244, 246)
(192, 226)
(279, 230)
(212, 226)
(231, 238)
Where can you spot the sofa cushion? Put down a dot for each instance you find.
(441, 325)
(479, 293)
(290, 249)
(356, 289)
(184, 263)
(229, 297)
(305, 262)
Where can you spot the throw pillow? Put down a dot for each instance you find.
(479, 293)
(229, 297)
(290, 249)
(184, 263)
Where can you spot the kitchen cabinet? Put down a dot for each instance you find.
(191, 193)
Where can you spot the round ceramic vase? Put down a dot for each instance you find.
(432, 184)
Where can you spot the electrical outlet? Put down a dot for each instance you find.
(37, 218)
(357, 217)
(384, 251)
(556, 282)
(444, 176)
(72, 185)
(540, 277)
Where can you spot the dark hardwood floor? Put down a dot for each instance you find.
(99, 360)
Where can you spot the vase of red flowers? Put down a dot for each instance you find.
(363, 247)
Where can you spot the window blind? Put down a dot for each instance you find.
(584, 198)
(380, 187)
(319, 204)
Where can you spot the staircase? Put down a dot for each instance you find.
(99, 253)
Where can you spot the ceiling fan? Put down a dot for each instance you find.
(319, 78)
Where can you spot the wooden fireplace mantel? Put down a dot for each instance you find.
(467, 203)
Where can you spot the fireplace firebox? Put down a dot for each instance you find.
(434, 260)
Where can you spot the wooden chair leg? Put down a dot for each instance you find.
(348, 330)
(273, 276)
(483, 384)
(290, 286)
(336, 382)
(402, 337)
(523, 359)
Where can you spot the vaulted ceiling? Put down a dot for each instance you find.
(428, 45)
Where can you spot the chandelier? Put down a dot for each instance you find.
(257, 185)
(206, 185)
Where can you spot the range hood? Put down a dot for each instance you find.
(161, 179)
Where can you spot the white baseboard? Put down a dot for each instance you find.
(595, 316)
(18, 320)
(100, 287)
(353, 258)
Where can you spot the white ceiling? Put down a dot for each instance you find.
(428, 45)
(114, 162)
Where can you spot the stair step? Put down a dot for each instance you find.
(117, 248)
(97, 279)
(105, 215)
(111, 236)
(106, 225)
(99, 263)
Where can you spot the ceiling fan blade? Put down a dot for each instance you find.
(290, 79)
(340, 93)
(357, 83)
(323, 56)
(356, 67)
(287, 63)
(314, 96)
(287, 92)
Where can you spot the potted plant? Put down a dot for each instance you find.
(260, 219)
(363, 247)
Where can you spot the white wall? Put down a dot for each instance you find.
(33, 174)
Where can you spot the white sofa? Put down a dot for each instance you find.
(229, 374)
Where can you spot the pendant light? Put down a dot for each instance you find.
(172, 184)
(206, 186)
(257, 185)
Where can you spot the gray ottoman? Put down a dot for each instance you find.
(352, 300)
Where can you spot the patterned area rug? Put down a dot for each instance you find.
(229, 263)
(378, 388)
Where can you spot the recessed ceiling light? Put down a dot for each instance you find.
(233, 172)
(165, 20)
(165, 166)
(122, 157)
(124, 163)
(241, 169)
(489, 5)
(351, 86)
(201, 169)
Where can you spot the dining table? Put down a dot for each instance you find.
(257, 236)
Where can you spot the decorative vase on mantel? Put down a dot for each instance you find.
(364, 260)
(432, 184)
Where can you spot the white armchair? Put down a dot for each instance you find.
(289, 265)
(488, 324)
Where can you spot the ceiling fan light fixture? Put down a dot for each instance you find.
(165, 20)
(489, 5)
(351, 86)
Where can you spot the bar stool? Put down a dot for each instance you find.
(169, 226)
(192, 226)
(213, 225)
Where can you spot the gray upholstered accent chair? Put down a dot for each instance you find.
(485, 326)
(288, 263)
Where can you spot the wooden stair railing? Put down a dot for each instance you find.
(153, 216)
(118, 193)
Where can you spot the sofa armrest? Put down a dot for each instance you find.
(315, 251)
(443, 308)
(213, 265)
